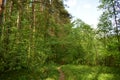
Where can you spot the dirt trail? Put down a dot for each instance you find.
(62, 76)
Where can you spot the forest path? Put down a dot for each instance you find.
(62, 75)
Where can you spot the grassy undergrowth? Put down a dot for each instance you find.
(48, 72)
(80, 72)
(72, 72)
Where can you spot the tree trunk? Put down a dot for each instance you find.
(116, 26)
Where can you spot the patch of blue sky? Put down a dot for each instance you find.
(85, 10)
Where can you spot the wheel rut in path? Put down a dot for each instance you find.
(61, 74)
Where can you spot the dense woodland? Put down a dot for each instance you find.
(37, 36)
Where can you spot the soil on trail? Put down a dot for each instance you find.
(62, 76)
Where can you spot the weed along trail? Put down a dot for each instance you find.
(61, 73)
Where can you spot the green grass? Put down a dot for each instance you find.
(72, 72)
(48, 72)
(80, 72)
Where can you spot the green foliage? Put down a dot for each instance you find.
(36, 36)
(45, 72)
(82, 72)
(108, 31)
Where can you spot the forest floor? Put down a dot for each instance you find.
(61, 74)
(65, 72)
(84, 72)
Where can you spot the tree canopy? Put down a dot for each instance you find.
(36, 35)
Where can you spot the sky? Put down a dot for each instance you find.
(85, 10)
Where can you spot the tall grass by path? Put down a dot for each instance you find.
(82, 72)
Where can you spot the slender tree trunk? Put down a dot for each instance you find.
(1, 11)
(7, 32)
(31, 50)
(116, 25)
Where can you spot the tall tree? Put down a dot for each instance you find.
(112, 8)
(109, 28)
